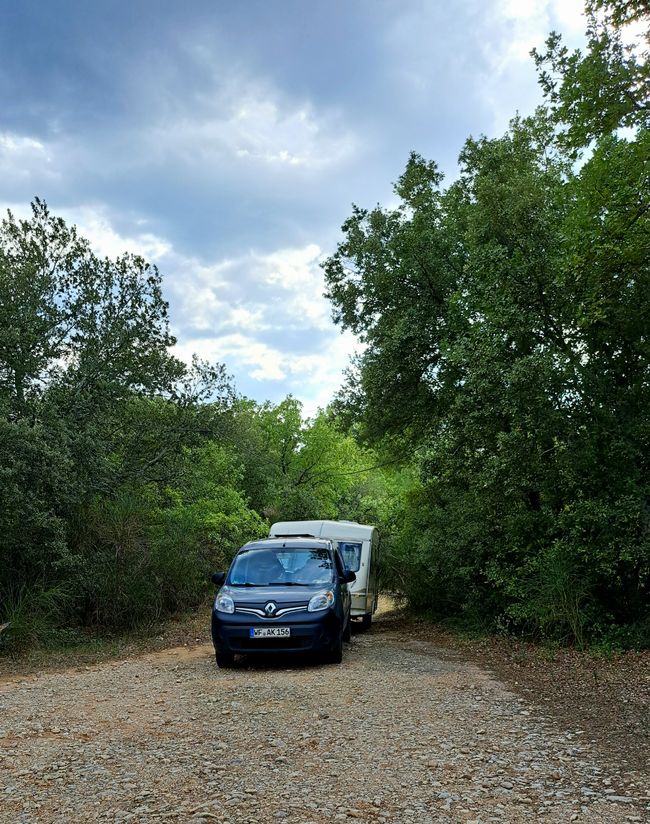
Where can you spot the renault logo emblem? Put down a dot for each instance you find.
(270, 609)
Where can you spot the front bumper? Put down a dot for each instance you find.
(311, 633)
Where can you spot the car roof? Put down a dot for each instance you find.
(288, 543)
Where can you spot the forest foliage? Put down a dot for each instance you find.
(506, 319)
(126, 476)
(495, 426)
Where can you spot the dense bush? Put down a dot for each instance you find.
(146, 552)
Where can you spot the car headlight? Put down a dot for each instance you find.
(322, 600)
(224, 603)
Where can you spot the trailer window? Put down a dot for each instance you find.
(351, 553)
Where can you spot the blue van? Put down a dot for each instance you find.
(282, 596)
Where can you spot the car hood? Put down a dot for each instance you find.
(279, 594)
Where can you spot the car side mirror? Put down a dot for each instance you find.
(349, 576)
(218, 578)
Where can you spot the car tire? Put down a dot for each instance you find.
(336, 654)
(347, 632)
(225, 660)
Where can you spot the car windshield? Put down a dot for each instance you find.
(294, 566)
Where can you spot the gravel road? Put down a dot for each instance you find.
(394, 734)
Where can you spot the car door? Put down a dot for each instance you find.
(346, 598)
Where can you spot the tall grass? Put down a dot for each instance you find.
(32, 615)
(559, 598)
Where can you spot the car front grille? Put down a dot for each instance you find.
(259, 612)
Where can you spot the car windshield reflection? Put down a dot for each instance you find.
(282, 567)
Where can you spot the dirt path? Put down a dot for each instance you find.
(394, 734)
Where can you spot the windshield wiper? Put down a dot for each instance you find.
(246, 585)
(288, 584)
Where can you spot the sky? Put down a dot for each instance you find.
(225, 141)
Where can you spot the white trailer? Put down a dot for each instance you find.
(359, 545)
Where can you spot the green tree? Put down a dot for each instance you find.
(108, 512)
(311, 462)
(391, 282)
(73, 321)
(505, 321)
(147, 549)
(594, 93)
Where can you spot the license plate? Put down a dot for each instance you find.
(269, 632)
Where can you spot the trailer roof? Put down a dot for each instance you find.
(339, 530)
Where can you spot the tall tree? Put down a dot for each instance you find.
(505, 321)
(70, 319)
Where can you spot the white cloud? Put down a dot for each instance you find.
(261, 361)
(251, 292)
(250, 308)
(198, 307)
(253, 313)
(518, 27)
(292, 268)
(229, 127)
(24, 159)
(570, 17)
(12, 145)
(328, 377)
(249, 123)
(297, 272)
(94, 224)
(527, 23)
(314, 378)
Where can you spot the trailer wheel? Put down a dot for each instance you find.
(365, 622)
